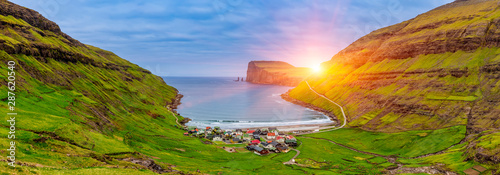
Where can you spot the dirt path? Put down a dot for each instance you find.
(176, 119)
(342, 109)
(292, 161)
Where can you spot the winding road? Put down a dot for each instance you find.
(329, 127)
(292, 161)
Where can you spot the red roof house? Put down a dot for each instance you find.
(256, 141)
(250, 132)
(271, 135)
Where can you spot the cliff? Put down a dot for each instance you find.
(437, 70)
(276, 72)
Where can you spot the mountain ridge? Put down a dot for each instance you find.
(437, 70)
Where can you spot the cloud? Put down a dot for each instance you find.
(219, 37)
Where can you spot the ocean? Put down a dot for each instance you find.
(220, 101)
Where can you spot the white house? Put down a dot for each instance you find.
(271, 136)
(217, 138)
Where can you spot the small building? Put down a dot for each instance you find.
(250, 132)
(292, 143)
(217, 138)
(235, 140)
(260, 151)
(271, 136)
(208, 128)
(209, 136)
(282, 148)
(251, 147)
(238, 132)
(257, 132)
(280, 139)
(246, 137)
(290, 138)
(186, 133)
(255, 141)
(274, 143)
(256, 137)
(267, 145)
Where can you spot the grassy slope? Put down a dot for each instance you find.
(81, 119)
(386, 96)
(78, 118)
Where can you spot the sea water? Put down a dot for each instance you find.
(229, 104)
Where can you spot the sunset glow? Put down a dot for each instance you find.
(316, 68)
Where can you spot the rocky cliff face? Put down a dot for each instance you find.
(439, 69)
(275, 72)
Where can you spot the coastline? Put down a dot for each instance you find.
(330, 115)
(291, 127)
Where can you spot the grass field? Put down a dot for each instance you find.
(401, 144)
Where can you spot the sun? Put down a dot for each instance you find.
(316, 68)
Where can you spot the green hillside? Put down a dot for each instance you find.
(83, 110)
(438, 70)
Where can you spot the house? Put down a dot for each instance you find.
(238, 132)
(192, 131)
(282, 148)
(271, 136)
(255, 141)
(235, 140)
(292, 143)
(251, 147)
(291, 138)
(250, 132)
(217, 138)
(189, 128)
(256, 137)
(257, 132)
(186, 133)
(209, 136)
(274, 143)
(267, 145)
(260, 151)
(280, 139)
(246, 137)
(208, 128)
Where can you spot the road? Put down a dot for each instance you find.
(328, 127)
(292, 161)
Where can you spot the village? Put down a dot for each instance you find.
(261, 141)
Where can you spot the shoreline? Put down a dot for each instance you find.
(288, 128)
(330, 115)
(304, 127)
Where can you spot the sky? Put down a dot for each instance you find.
(220, 37)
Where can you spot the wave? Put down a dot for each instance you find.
(232, 124)
(274, 95)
